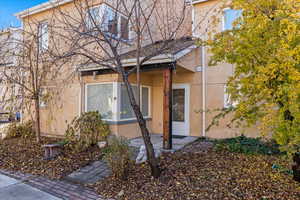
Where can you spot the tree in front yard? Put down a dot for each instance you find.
(100, 35)
(264, 47)
(32, 71)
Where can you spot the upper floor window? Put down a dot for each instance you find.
(229, 17)
(109, 21)
(43, 36)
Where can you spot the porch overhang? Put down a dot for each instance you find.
(158, 62)
(144, 68)
(177, 52)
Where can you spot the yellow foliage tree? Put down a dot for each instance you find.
(264, 47)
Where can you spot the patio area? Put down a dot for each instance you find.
(157, 140)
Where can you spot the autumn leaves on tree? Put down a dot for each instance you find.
(264, 47)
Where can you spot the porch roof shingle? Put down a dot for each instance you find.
(164, 46)
(166, 49)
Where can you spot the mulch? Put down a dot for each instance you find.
(206, 175)
(27, 156)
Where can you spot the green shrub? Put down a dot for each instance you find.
(118, 156)
(23, 130)
(86, 130)
(247, 145)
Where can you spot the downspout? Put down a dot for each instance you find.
(203, 122)
(81, 95)
(203, 92)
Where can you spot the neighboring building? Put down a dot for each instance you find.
(195, 86)
(9, 39)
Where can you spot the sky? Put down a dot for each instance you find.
(9, 7)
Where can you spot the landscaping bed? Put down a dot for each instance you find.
(27, 156)
(207, 175)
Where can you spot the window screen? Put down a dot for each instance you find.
(100, 98)
(145, 101)
(43, 36)
(126, 110)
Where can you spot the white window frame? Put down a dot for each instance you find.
(102, 9)
(228, 103)
(114, 93)
(43, 36)
(116, 106)
(44, 91)
(141, 97)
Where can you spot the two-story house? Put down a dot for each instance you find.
(9, 40)
(195, 86)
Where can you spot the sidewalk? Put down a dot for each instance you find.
(18, 186)
(13, 189)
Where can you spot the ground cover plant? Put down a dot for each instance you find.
(247, 145)
(196, 173)
(27, 156)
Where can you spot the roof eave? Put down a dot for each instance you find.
(163, 58)
(198, 1)
(41, 7)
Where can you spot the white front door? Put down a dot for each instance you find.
(180, 111)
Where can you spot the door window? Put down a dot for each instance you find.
(178, 112)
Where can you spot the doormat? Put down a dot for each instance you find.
(178, 136)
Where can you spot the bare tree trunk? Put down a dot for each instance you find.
(37, 120)
(152, 160)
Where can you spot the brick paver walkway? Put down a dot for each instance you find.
(92, 173)
(60, 188)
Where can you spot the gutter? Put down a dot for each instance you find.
(41, 7)
(198, 1)
(164, 58)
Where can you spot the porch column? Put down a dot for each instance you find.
(167, 109)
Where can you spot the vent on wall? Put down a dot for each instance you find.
(199, 69)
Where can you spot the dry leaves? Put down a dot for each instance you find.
(27, 156)
(211, 175)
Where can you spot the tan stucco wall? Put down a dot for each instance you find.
(55, 118)
(61, 111)
(131, 130)
(207, 21)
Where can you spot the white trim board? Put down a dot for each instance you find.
(41, 7)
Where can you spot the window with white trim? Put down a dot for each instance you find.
(44, 97)
(109, 21)
(228, 103)
(43, 36)
(112, 102)
(126, 112)
(229, 17)
(99, 97)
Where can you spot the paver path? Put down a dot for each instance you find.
(99, 170)
(92, 173)
(43, 188)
